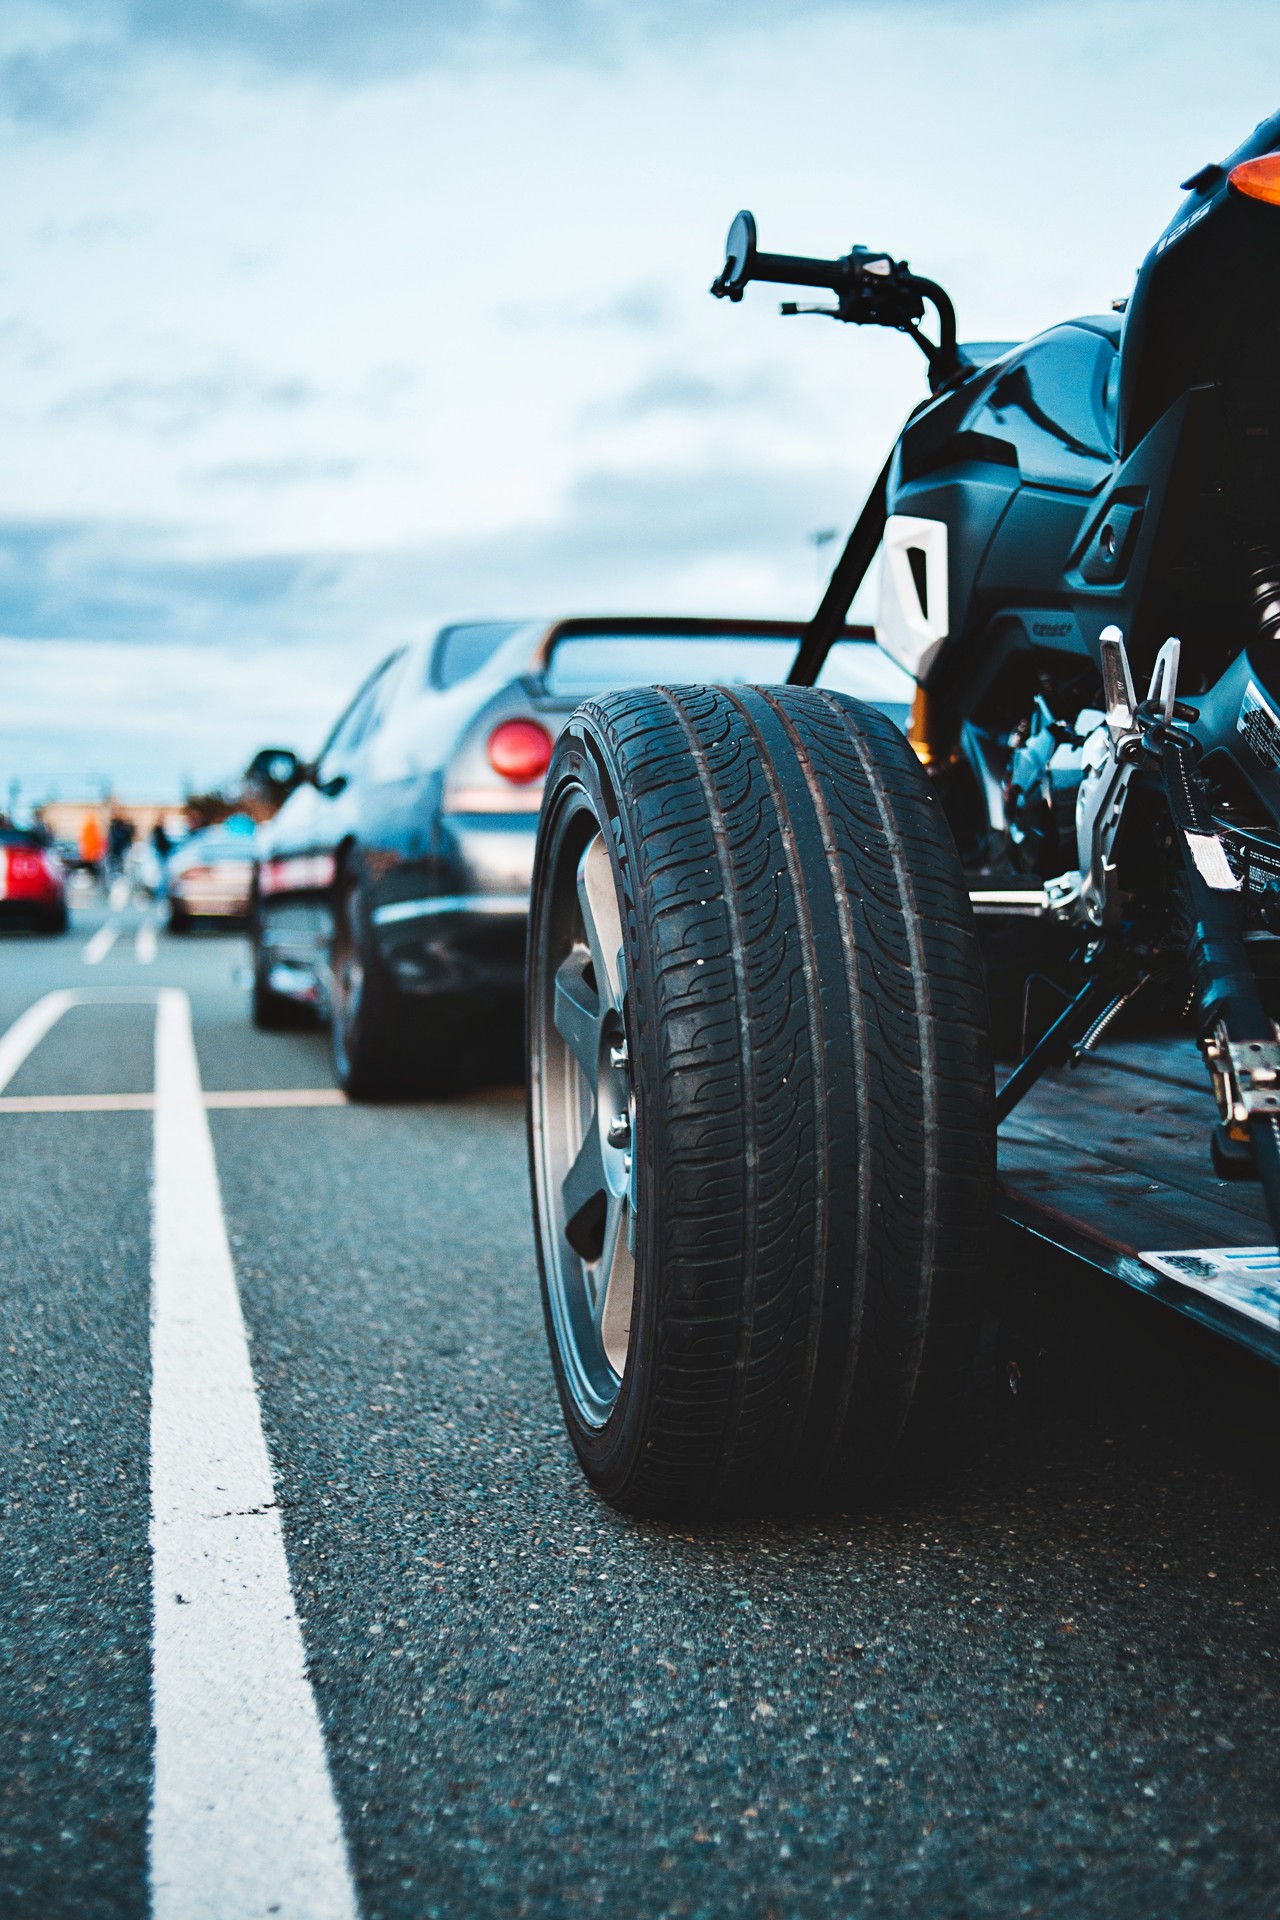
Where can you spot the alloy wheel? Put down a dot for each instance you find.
(584, 1110)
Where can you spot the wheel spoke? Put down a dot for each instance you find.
(577, 1012)
(616, 1283)
(586, 1200)
(598, 900)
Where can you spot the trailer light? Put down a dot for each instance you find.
(520, 750)
(1258, 179)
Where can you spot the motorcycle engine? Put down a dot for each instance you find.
(1045, 767)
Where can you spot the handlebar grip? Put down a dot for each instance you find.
(798, 270)
(743, 263)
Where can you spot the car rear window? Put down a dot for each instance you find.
(461, 651)
(593, 663)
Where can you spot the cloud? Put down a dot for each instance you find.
(272, 474)
(631, 540)
(78, 52)
(674, 390)
(641, 308)
(183, 403)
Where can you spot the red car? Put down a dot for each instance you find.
(32, 882)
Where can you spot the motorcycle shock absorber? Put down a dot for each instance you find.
(1263, 577)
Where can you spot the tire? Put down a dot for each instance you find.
(269, 1011)
(56, 920)
(178, 921)
(794, 1036)
(382, 1045)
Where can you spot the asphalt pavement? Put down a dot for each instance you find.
(1046, 1686)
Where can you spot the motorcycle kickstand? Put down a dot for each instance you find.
(1055, 1046)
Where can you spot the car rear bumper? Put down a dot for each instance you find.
(455, 943)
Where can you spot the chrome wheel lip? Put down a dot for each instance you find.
(582, 1107)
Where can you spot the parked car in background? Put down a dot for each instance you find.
(210, 875)
(33, 883)
(392, 888)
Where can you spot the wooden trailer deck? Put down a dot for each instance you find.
(1107, 1165)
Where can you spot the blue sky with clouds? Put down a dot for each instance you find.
(324, 321)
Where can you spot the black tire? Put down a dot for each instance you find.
(269, 1011)
(178, 921)
(56, 920)
(810, 1087)
(383, 1045)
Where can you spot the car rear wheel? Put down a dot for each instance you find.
(760, 1098)
(270, 1011)
(383, 1045)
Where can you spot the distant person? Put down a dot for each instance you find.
(120, 835)
(92, 845)
(161, 847)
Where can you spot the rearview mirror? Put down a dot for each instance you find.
(739, 258)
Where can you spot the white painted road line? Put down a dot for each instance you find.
(29, 1029)
(144, 945)
(77, 1102)
(243, 1818)
(101, 944)
(253, 1099)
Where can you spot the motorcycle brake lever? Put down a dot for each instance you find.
(789, 309)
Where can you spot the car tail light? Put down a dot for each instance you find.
(520, 750)
(27, 866)
(1258, 179)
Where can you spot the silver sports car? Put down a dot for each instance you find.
(391, 891)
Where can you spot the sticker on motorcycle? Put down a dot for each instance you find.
(1260, 725)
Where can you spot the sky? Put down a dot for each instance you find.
(323, 322)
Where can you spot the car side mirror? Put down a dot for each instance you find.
(278, 767)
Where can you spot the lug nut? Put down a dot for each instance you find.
(619, 1134)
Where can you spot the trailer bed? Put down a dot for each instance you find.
(1106, 1167)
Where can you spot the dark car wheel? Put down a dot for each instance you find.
(178, 921)
(760, 1098)
(56, 920)
(382, 1043)
(270, 1011)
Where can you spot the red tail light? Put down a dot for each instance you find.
(27, 866)
(520, 750)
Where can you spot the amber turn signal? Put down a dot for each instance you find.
(520, 750)
(1258, 179)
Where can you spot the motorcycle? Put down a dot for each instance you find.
(755, 976)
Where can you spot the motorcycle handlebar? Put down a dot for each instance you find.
(870, 288)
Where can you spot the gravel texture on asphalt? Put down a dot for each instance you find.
(1045, 1686)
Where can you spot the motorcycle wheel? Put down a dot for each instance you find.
(760, 1098)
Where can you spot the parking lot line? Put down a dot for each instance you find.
(101, 944)
(144, 944)
(251, 1099)
(243, 1819)
(30, 1028)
